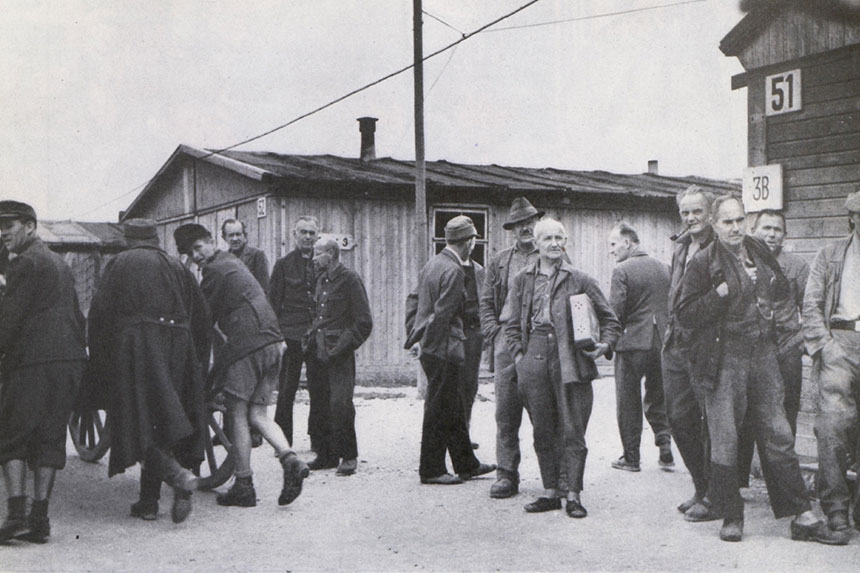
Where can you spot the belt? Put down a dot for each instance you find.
(845, 325)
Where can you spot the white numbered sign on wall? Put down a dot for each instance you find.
(782, 93)
(762, 188)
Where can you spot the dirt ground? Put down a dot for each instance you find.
(383, 519)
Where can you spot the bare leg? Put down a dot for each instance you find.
(15, 474)
(43, 483)
(271, 431)
(237, 410)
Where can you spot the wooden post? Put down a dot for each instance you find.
(420, 173)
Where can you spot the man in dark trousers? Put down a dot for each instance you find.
(683, 405)
(831, 328)
(639, 295)
(727, 299)
(291, 293)
(770, 227)
(342, 323)
(434, 318)
(554, 373)
(236, 236)
(509, 406)
(247, 364)
(149, 341)
(42, 351)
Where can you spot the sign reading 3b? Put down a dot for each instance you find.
(762, 188)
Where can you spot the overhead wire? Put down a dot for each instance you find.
(443, 22)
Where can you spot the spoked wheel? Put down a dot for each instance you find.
(218, 466)
(90, 434)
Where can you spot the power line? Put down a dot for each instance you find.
(443, 22)
(106, 203)
(595, 16)
(442, 71)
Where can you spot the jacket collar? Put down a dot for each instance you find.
(335, 272)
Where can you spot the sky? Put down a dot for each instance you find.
(97, 95)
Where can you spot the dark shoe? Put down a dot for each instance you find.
(543, 504)
(818, 532)
(482, 469)
(146, 509)
(683, 507)
(241, 494)
(181, 506)
(295, 471)
(503, 488)
(701, 511)
(16, 519)
(574, 508)
(256, 439)
(39, 530)
(323, 463)
(444, 479)
(667, 460)
(347, 467)
(732, 530)
(838, 520)
(622, 464)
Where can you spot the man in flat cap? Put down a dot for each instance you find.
(247, 363)
(831, 329)
(42, 349)
(509, 407)
(342, 322)
(149, 341)
(434, 318)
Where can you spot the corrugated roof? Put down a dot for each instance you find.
(81, 234)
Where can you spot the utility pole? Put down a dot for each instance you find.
(420, 172)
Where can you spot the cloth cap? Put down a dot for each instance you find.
(186, 235)
(852, 202)
(521, 210)
(16, 210)
(459, 228)
(140, 232)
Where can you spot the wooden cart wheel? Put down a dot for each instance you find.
(218, 466)
(90, 434)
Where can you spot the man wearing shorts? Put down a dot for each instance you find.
(247, 364)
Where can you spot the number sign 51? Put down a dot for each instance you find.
(782, 93)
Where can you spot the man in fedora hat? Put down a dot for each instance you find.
(149, 337)
(831, 329)
(434, 318)
(509, 407)
(42, 350)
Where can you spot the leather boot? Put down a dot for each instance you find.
(38, 523)
(16, 519)
(295, 471)
(241, 494)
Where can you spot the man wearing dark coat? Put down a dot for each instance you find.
(246, 366)
(509, 407)
(342, 323)
(639, 294)
(434, 318)
(149, 339)
(553, 374)
(727, 299)
(236, 235)
(42, 356)
(291, 292)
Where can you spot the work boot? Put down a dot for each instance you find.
(623, 463)
(503, 488)
(347, 467)
(323, 462)
(241, 494)
(38, 523)
(295, 471)
(146, 509)
(732, 530)
(667, 460)
(181, 505)
(16, 519)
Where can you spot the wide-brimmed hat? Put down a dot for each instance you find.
(459, 228)
(17, 210)
(852, 202)
(185, 236)
(521, 210)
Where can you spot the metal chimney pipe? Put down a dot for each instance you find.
(653, 167)
(367, 127)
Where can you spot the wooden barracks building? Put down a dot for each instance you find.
(368, 205)
(802, 74)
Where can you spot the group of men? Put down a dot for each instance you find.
(164, 348)
(718, 338)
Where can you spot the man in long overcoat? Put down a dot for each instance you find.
(42, 350)
(149, 341)
(553, 375)
(434, 318)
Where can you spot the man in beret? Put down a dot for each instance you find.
(42, 349)
(149, 341)
(831, 329)
(434, 318)
(246, 364)
(501, 269)
(342, 322)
